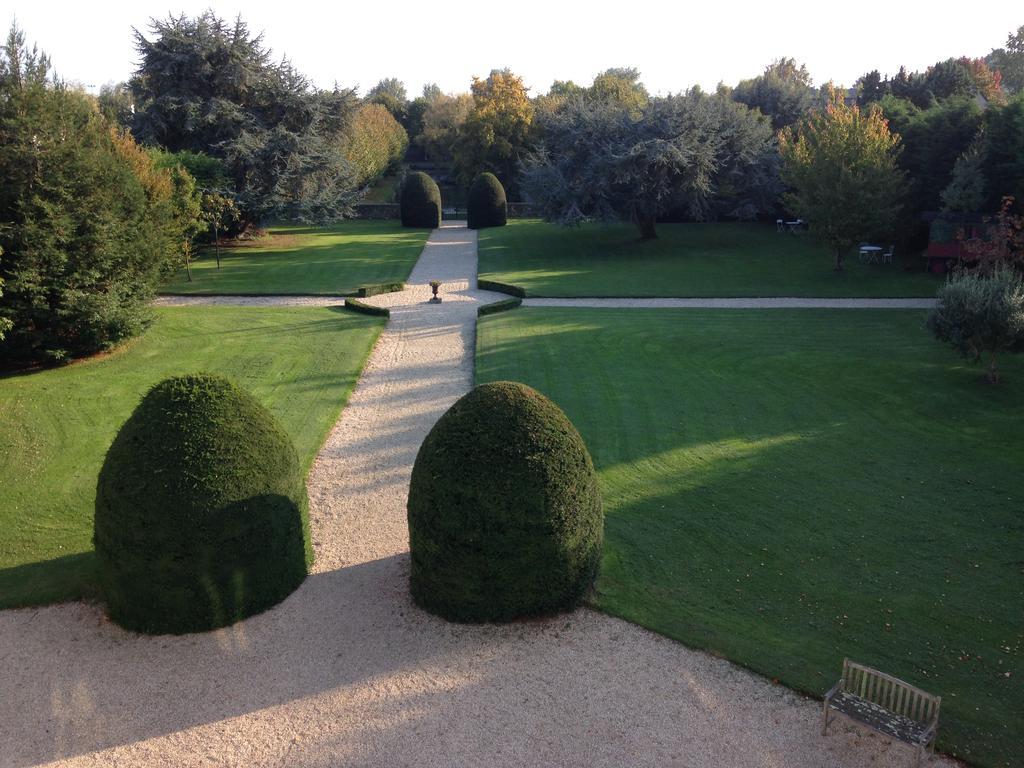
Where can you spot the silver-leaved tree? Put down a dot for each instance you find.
(696, 155)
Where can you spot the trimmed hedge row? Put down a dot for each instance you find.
(201, 515)
(375, 289)
(494, 285)
(505, 516)
(486, 205)
(366, 309)
(499, 306)
(420, 201)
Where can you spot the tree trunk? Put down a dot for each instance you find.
(839, 260)
(646, 226)
(188, 262)
(993, 370)
(216, 243)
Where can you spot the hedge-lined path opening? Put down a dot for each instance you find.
(346, 671)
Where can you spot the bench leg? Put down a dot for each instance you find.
(824, 719)
(920, 756)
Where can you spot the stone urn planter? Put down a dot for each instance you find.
(434, 286)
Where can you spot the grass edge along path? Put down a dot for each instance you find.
(788, 487)
(302, 363)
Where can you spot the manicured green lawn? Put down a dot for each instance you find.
(56, 425)
(687, 260)
(786, 488)
(325, 261)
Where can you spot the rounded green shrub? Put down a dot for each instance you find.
(505, 516)
(421, 201)
(201, 510)
(487, 206)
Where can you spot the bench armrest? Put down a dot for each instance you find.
(834, 690)
(929, 732)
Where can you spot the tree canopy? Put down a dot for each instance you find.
(840, 165)
(698, 153)
(208, 86)
(496, 133)
(1009, 61)
(784, 92)
(89, 222)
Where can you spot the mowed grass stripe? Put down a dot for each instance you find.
(789, 487)
(686, 260)
(56, 425)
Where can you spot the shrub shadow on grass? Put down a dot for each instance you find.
(46, 581)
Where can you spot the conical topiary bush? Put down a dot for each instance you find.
(505, 515)
(420, 201)
(487, 206)
(201, 510)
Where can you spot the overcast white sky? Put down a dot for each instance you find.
(674, 45)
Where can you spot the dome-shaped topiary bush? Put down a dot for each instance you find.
(487, 206)
(421, 201)
(505, 516)
(201, 510)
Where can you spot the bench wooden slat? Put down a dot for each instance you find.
(885, 703)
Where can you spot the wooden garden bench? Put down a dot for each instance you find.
(886, 704)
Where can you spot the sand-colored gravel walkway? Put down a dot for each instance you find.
(347, 672)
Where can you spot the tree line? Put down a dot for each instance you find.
(213, 136)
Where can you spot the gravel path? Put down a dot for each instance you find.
(347, 672)
(765, 303)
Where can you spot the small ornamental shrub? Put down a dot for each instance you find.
(505, 516)
(200, 510)
(421, 201)
(486, 206)
(981, 316)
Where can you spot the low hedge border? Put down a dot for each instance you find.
(494, 285)
(375, 289)
(499, 306)
(366, 309)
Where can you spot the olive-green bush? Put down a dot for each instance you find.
(421, 201)
(201, 510)
(487, 206)
(505, 516)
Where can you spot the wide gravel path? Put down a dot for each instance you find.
(347, 672)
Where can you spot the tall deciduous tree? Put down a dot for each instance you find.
(1009, 61)
(496, 134)
(442, 122)
(622, 86)
(375, 142)
(840, 164)
(207, 86)
(784, 92)
(390, 93)
(704, 154)
(116, 104)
